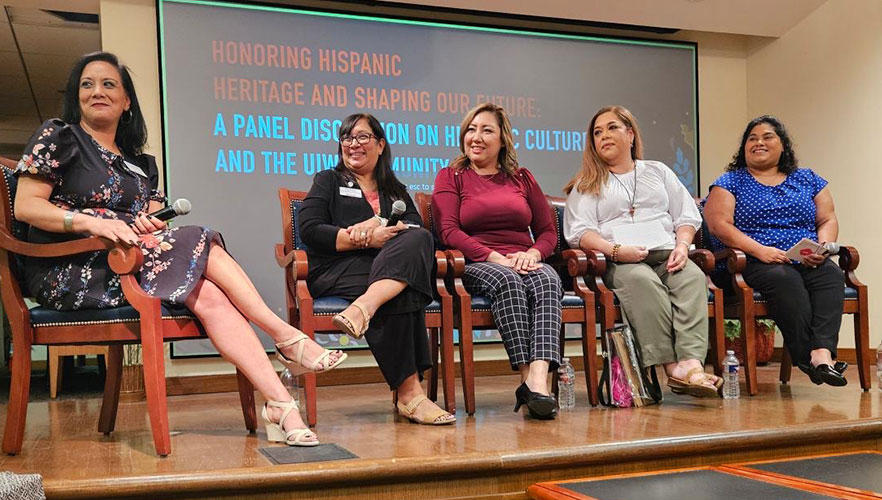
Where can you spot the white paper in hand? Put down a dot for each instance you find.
(805, 247)
(650, 235)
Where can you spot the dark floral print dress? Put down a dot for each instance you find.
(88, 178)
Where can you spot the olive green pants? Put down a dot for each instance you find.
(667, 311)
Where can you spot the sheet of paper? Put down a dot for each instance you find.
(642, 234)
(805, 247)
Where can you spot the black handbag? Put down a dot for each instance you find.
(624, 382)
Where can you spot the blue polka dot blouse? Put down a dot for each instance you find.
(777, 216)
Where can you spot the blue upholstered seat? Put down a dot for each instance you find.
(44, 316)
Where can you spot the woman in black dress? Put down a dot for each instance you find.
(385, 270)
(85, 175)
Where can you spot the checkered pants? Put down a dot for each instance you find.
(526, 309)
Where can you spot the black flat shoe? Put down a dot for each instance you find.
(840, 366)
(539, 405)
(830, 376)
(824, 374)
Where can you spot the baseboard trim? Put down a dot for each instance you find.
(205, 384)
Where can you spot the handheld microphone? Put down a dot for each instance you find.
(181, 206)
(832, 248)
(398, 208)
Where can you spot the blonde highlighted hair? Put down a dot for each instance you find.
(595, 170)
(508, 158)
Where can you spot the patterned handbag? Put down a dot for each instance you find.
(624, 382)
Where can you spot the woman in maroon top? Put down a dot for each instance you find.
(486, 207)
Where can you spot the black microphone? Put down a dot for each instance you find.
(181, 206)
(398, 208)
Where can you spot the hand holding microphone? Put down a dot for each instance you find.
(818, 257)
(398, 209)
(149, 223)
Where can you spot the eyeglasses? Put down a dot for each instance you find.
(362, 139)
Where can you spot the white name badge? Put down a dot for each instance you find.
(350, 192)
(134, 168)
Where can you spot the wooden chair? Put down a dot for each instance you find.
(747, 305)
(473, 311)
(609, 311)
(147, 321)
(313, 315)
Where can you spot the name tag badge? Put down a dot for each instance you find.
(350, 192)
(135, 169)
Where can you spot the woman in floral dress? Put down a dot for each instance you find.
(85, 175)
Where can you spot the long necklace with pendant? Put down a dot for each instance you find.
(632, 197)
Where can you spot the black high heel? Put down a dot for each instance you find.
(539, 405)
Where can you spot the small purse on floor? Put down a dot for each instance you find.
(624, 382)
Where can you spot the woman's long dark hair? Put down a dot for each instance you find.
(131, 133)
(386, 181)
(786, 164)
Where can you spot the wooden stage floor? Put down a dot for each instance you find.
(495, 454)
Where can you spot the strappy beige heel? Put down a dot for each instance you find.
(275, 432)
(437, 417)
(296, 366)
(345, 324)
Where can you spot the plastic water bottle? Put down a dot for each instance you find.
(731, 389)
(879, 367)
(566, 385)
(291, 384)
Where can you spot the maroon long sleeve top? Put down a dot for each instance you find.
(480, 214)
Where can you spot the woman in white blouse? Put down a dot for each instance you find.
(662, 293)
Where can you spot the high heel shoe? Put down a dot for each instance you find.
(345, 324)
(296, 366)
(539, 405)
(275, 432)
(436, 417)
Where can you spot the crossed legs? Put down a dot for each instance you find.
(225, 301)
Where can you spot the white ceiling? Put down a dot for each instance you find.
(33, 71)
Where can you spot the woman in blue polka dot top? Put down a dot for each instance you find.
(763, 205)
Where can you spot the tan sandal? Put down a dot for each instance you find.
(275, 433)
(345, 324)
(438, 417)
(296, 366)
(698, 390)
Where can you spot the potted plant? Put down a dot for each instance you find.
(765, 339)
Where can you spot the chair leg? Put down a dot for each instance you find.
(246, 397)
(17, 407)
(433, 371)
(154, 373)
(112, 383)
(748, 337)
(56, 370)
(786, 366)
(466, 361)
(589, 353)
(447, 368)
(862, 341)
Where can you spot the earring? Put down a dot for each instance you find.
(126, 116)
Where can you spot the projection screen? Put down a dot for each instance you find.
(252, 97)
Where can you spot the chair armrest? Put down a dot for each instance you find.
(283, 259)
(577, 262)
(300, 265)
(849, 258)
(455, 263)
(90, 244)
(704, 259)
(440, 264)
(736, 260)
(596, 263)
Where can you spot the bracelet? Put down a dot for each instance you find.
(683, 242)
(381, 220)
(615, 252)
(68, 221)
